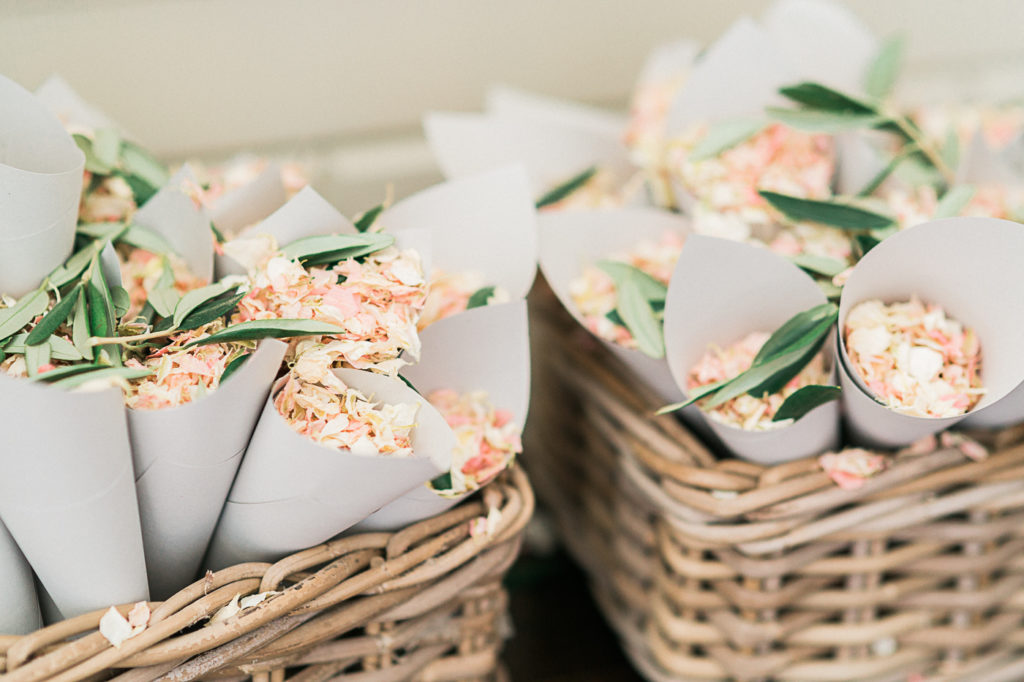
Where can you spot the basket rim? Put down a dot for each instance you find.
(360, 577)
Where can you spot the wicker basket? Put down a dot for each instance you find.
(425, 603)
(716, 569)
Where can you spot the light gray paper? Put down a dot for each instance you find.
(67, 493)
(173, 214)
(969, 266)
(572, 240)
(721, 291)
(185, 460)
(484, 223)
(19, 608)
(292, 493)
(41, 175)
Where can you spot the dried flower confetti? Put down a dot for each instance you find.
(487, 439)
(142, 271)
(377, 301)
(115, 628)
(594, 292)
(914, 358)
(182, 375)
(778, 159)
(851, 468)
(338, 416)
(746, 411)
(449, 293)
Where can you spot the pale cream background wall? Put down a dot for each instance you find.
(343, 82)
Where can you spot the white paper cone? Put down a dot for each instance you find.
(737, 77)
(60, 98)
(307, 214)
(969, 267)
(19, 608)
(721, 291)
(185, 460)
(484, 349)
(41, 176)
(292, 493)
(484, 223)
(552, 151)
(173, 214)
(250, 203)
(67, 493)
(823, 42)
(572, 240)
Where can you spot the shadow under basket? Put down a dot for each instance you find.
(423, 603)
(713, 568)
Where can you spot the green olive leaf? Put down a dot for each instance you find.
(14, 319)
(480, 297)
(805, 399)
(556, 194)
(834, 214)
(261, 329)
(55, 318)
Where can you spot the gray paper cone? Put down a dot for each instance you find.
(972, 271)
(306, 214)
(292, 493)
(19, 609)
(41, 175)
(572, 240)
(721, 291)
(468, 218)
(185, 460)
(173, 214)
(484, 349)
(67, 494)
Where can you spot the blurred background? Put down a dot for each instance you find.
(341, 84)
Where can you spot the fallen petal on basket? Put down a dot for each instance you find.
(115, 628)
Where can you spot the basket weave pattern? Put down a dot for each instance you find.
(424, 603)
(716, 569)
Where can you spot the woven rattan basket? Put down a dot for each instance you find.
(717, 569)
(425, 603)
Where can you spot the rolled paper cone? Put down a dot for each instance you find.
(41, 174)
(721, 291)
(746, 58)
(573, 240)
(250, 203)
(485, 223)
(520, 105)
(307, 214)
(67, 494)
(484, 349)
(971, 271)
(292, 493)
(552, 150)
(185, 460)
(19, 608)
(59, 97)
(823, 42)
(174, 214)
